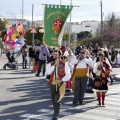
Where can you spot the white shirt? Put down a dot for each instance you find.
(50, 69)
(95, 70)
(107, 61)
(82, 63)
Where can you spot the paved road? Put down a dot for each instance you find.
(26, 97)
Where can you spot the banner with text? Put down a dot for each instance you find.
(55, 17)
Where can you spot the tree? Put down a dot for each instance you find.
(112, 20)
(111, 29)
(38, 37)
(3, 22)
(112, 34)
(84, 35)
(2, 33)
(66, 36)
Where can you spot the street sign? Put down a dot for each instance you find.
(33, 30)
(41, 30)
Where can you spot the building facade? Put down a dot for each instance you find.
(90, 26)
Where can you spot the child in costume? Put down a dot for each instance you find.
(102, 73)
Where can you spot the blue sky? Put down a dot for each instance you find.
(88, 10)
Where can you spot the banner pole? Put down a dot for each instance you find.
(72, 5)
(33, 39)
(70, 28)
(60, 2)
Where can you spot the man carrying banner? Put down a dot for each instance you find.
(54, 22)
(59, 72)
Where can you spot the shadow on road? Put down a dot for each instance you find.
(36, 97)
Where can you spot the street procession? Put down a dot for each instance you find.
(64, 65)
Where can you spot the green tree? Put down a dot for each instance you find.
(112, 20)
(3, 22)
(28, 37)
(84, 35)
(2, 33)
(65, 36)
(38, 37)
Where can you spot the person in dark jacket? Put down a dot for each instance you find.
(77, 50)
(12, 58)
(31, 55)
(36, 57)
(113, 54)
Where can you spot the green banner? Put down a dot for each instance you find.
(55, 17)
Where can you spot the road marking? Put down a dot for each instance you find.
(91, 117)
(39, 117)
(51, 111)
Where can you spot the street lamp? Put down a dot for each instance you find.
(70, 27)
(22, 10)
(101, 24)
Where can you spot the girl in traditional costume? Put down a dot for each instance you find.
(102, 72)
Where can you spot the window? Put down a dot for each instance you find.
(87, 26)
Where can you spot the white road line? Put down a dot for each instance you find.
(39, 117)
(91, 117)
(88, 110)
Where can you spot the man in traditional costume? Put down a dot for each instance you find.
(59, 72)
(80, 76)
(102, 72)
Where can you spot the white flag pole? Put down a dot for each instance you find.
(60, 2)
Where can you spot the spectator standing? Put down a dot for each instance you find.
(112, 54)
(43, 54)
(31, 55)
(24, 56)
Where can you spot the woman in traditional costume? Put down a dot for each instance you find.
(69, 57)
